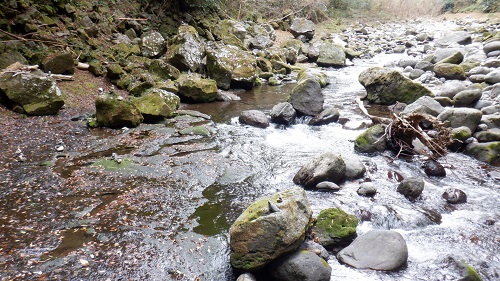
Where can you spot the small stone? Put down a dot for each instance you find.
(434, 169)
(367, 189)
(328, 185)
(411, 187)
(455, 196)
(84, 262)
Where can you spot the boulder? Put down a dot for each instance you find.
(35, 92)
(194, 88)
(451, 88)
(468, 96)
(313, 73)
(443, 53)
(304, 27)
(488, 152)
(492, 77)
(454, 196)
(488, 135)
(458, 117)
(187, 50)
(424, 105)
(307, 98)
(372, 140)
(376, 249)
(114, 111)
(433, 168)
(331, 55)
(283, 113)
(449, 71)
(455, 58)
(301, 266)
(59, 63)
(326, 116)
(254, 118)
(367, 189)
(387, 86)
(411, 187)
(315, 248)
(260, 235)
(153, 44)
(155, 104)
(260, 42)
(335, 228)
(12, 56)
(492, 121)
(225, 28)
(424, 65)
(326, 167)
(163, 69)
(354, 169)
(231, 67)
(491, 46)
(456, 37)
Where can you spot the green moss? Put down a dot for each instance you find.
(336, 223)
(112, 165)
(372, 140)
(472, 274)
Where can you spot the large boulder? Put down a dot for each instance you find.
(372, 140)
(301, 266)
(488, 152)
(12, 56)
(283, 113)
(354, 169)
(36, 93)
(231, 67)
(307, 97)
(230, 28)
(114, 111)
(387, 86)
(254, 118)
(335, 228)
(456, 37)
(458, 117)
(331, 55)
(376, 249)
(261, 233)
(187, 50)
(313, 73)
(155, 104)
(153, 44)
(326, 167)
(304, 27)
(194, 88)
(59, 63)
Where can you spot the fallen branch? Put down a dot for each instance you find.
(136, 19)
(60, 77)
(83, 66)
(375, 119)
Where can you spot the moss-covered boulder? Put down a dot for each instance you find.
(155, 104)
(372, 140)
(153, 44)
(449, 71)
(113, 111)
(35, 92)
(387, 86)
(268, 228)
(226, 30)
(59, 63)
(231, 67)
(455, 58)
(194, 88)
(163, 69)
(114, 71)
(335, 228)
(314, 73)
(331, 55)
(10, 57)
(187, 50)
(488, 152)
(326, 167)
(306, 97)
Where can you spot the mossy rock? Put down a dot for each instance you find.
(115, 112)
(196, 130)
(449, 71)
(372, 140)
(96, 68)
(112, 165)
(488, 152)
(163, 69)
(194, 88)
(114, 71)
(335, 228)
(156, 104)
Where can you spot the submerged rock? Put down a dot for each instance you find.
(259, 236)
(326, 167)
(335, 228)
(387, 86)
(36, 93)
(376, 249)
(301, 266)
(454, 196)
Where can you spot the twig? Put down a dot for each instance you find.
(136, 19)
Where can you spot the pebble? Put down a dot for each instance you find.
(84, 262)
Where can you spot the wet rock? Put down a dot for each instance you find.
(301, 266)
(315, 248)
(411, 187)
(304, 27)
(488, 152)
(451, 88)
(464, 272)
(59, 63)
(113, 111)
(196, 131)
(35, 92)
(458, 137)
(458, 117)
(424, 105)
(458, 37)
(326, 167)
(231, 67)
(335, 228)
(327, 116)
(449, 71)
(434, 169)
(492, 121)
(491, 46)
(307, 97)
(387, 86)
(454, 196)
(197, 89)
(163, 69)
(492, 77)
(331, 55)
(258, 237)
(155, 104)
(372, 140)
(283, 113)
(254, 118)
(153, 44)
(246, 277)
(328, 186)
(354, 168)
(468, 96)
(488, 135)
(187, 50)
(376, 249)
(367, 189)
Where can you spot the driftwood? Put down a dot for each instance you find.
(83, 66)
(375, 119)
(60, 77)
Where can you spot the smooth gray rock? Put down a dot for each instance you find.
(307, 97)
(424, 105)
(493, 77)
(301, 266)
(459, 37)
(355, 169)
(367, 189)
(493, 109)
(304, 27)
(492, 121)
(331, 55)
(458, 117)
(441, 54)
(246, 277)
(326, 167)
(376, 249)
(327, 116)
(254, 118)
(491, 46)
(468, 96)
(411, 187)
(283, 113)
(451, 88)
(328, 186)
(424, 65)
